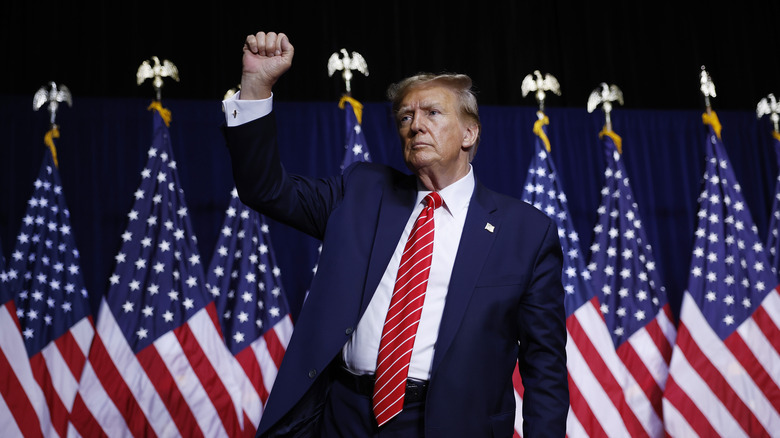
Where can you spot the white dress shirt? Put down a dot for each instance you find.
(361, 351)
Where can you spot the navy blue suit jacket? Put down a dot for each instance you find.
(504, 304)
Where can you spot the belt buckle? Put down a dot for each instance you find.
(415, 390)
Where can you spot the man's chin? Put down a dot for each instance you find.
(418, 162)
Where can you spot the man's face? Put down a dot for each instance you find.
(432, 135)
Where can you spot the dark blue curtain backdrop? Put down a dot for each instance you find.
(103, 146)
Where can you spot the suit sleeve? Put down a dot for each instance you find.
(265, 186)
(542, 357)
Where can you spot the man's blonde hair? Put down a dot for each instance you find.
(459, 84)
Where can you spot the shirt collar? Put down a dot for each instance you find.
(456, 196)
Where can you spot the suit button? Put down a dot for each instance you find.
(349, 330)
(312, 373)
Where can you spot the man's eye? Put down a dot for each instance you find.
(405, 119)
(433, 112)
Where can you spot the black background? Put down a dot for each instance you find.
(652, 50)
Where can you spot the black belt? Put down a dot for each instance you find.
(364, 384)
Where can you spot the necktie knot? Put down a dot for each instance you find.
(433, 200)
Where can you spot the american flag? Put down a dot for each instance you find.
(52, 310)
(592, 362)
(725, 368)
(246, 285)
(21, 398)
(356, 148)
(634, 302)
(773, 240)
(158, 364)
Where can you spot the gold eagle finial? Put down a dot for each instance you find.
(707, 87)
(538, 84)
(769, 106)
(347, 64)
(604, 96)
(157, 71)
(53, 95)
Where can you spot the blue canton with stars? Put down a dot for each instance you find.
(773, 240)
(622, 263)
(5, 295)
(43, 272)
(730, 271)
(543, 192)
(244, 279)
(158, 280)
(356, 147)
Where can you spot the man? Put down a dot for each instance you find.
(487, 297)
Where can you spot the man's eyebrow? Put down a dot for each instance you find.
(424, 105)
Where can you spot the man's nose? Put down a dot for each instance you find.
(417, 124)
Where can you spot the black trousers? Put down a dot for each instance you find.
(349, 414)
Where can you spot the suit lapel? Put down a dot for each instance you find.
(396, 206)
(475, 244)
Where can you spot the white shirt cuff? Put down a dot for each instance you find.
(238, 112)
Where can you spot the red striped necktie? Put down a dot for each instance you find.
(403, 316)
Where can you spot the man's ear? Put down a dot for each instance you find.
(470, 136)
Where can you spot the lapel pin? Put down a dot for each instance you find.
(489, 227)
